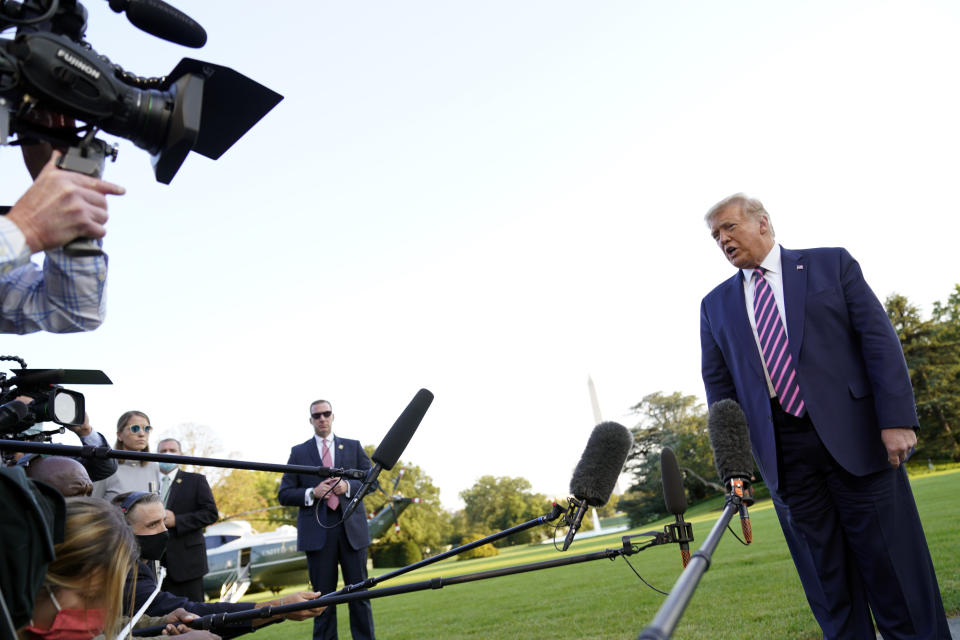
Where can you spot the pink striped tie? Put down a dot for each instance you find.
(332, 499)
(776, 349)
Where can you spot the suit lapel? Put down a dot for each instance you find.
(172, 492)
(794, 296)
(735, 303)
(313, 451)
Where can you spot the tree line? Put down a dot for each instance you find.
(932, 350)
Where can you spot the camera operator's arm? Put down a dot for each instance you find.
(97, 468)
(62, 205)
(68, 295)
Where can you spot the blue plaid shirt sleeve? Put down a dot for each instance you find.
(67, 295)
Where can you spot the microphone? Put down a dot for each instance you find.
(596, 474)
(676, 502)
(392, 445)
(163, 21)
(733, 456)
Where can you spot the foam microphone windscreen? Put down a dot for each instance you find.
(596, 474)
(730, 440)
(396, 440)
(673, 495)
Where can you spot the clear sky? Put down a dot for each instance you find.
(494, 200)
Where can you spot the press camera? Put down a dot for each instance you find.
(34, 396)
(48, 67)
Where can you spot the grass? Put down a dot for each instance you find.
(748, 592)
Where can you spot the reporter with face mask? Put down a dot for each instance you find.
(144, 513)
(82, 594)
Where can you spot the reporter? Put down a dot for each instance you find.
(82, 595)
(144, 512)
(133, 434)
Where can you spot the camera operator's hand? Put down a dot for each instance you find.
(81, 429)
(61, 206)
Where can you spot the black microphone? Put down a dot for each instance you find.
(596, 474)
(392, 445)
(160, 19)
(732, 455)
(676, 502)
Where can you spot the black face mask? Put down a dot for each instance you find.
(153, 546)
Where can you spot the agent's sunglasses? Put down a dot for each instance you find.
(135, 428)
(321, 414)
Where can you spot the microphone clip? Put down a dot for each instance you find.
(570, 515)
(739, 491)
(679, 532)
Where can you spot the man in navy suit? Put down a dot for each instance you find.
(190, 508)
(321, 533)
(832, 419)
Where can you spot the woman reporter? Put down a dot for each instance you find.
(82, 594)
(133, 434)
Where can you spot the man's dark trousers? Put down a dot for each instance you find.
(322, 565)
(829, 516)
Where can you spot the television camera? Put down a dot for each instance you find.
(34, 396)
(47, 67)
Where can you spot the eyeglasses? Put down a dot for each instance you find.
(321, 414)
(135, 428)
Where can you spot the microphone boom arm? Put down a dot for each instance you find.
(339, 597)
(670, 612)
(106, 452)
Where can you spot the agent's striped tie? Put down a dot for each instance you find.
(773, 343)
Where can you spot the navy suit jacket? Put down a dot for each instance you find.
(850, 364)
(310, 535)
(191, 501)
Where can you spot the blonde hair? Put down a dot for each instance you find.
(122, 422)
(749, 206)
(97, 555)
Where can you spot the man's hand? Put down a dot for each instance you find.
(82, 429)
(180, 615)
(302, 596)
(175, 626)
(169, 519)
(899, 441)
(293, 598)
(323, 489)
(61, 206)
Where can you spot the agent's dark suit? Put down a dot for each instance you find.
(331, 543)
(848, 517)
(191, 501)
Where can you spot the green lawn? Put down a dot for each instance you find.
(748, 592)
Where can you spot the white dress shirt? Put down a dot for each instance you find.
(774, 277)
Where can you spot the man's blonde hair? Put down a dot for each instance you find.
(749, 206)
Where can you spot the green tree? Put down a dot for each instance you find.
(493, 504)
(426, 523)
(679, 422)
(932, 351)
(252, 496)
